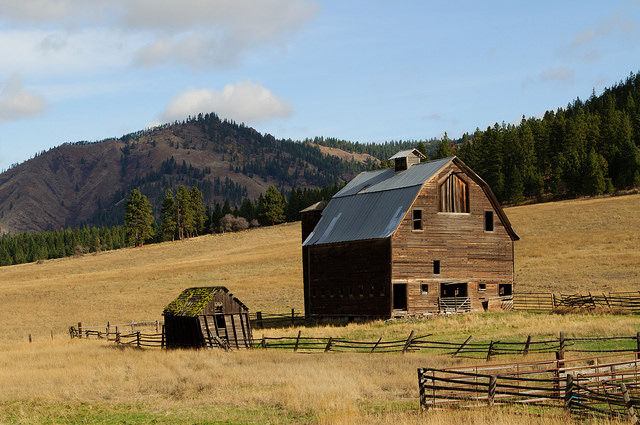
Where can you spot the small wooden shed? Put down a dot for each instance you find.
(207, 317)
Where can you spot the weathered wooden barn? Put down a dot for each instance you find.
(422, 237)
(207, 317)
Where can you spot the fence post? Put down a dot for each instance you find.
(553, 301)
(462, 346)
(493, 382)
(490, 350)
(562, 345)
(264, 342)
(138, 339)
(162, 341)
(297, 341)
(157, 325)
(328, 347)
(628, 404)
(293, 316)
(51, 334)
(79, 329)
(568, 393)
(526, 346)
(638, 346)
(376, 344)
(133, 325)
(29, 338)
(108, 329)
(421, 387)
(408, 343)
(259, 319)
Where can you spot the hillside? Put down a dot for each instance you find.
(80, 183)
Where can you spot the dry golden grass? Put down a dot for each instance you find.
(573, 246)
(578, 246)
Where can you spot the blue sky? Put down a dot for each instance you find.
(368, 71)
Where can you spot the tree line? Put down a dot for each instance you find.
(182, 215)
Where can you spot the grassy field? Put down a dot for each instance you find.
(573, 246)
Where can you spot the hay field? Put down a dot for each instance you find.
(584, 245)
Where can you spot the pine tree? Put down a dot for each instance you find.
(274, 206)
(137, 218)
(198, 209)
(168, 216)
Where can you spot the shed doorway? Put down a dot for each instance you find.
(399, 296)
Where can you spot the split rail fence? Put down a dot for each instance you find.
(150, 334)
(547, 301)
(605, 386)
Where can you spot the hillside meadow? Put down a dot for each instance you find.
(572, 246)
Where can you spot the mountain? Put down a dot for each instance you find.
(88, 183)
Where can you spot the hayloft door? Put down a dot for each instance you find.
(399, 296)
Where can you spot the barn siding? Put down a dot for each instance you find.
(466, 252)
(349, 279)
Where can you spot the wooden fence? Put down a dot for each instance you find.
(601, 386)
(546, 301)
(151, 334)
(110, 331)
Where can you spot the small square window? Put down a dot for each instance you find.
(424, 288)
(417, 219)
(436, 266)
(482, 287)
(488, 221)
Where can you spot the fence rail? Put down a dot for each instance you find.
(584, 387)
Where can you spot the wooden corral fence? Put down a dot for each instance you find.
(547, 301)
(466, 348)
(602, 386)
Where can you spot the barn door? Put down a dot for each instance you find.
(399, 296)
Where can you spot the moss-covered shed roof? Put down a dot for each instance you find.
(193, 300)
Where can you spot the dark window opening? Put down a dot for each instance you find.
(417, 219)
(371, 291)
(400, 296)
(448, 290)
(361, 291)
(482, 287)
(436, 266)
(488, 221)
(504, 289)
(454, 195)
(424, 288)
(220, 322)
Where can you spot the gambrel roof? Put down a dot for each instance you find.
(372, 205)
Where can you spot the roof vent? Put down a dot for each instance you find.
(405, 159)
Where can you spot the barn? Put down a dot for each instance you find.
(422, 237)
(207, 317)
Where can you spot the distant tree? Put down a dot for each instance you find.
(445, 149)
(168, 215)
(198, 210)
(423, 150)
(137, 218)
(274, 206)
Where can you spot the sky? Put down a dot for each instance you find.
(359, 70)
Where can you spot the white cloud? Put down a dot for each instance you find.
(192, 32)
(243, 102)
(17, 103)
(562, 75)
